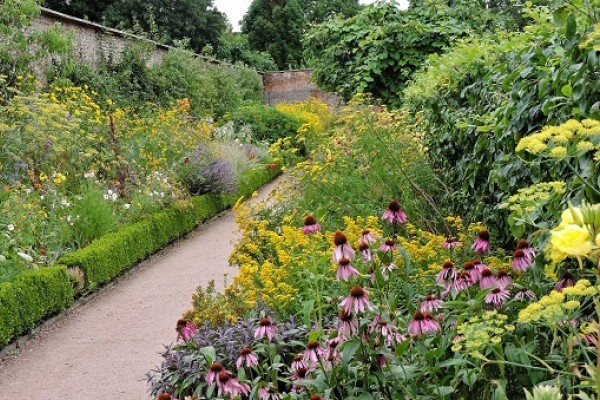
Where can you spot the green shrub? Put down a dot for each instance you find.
(111, 255)
(476, 101)
(267, 123)
(212, 90)
(31, 297)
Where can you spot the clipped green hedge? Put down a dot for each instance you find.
(111, 255)
(32, 296)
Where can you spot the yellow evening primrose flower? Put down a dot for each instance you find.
(572, 240)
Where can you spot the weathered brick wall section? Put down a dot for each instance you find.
(93, 42)
(293, 86)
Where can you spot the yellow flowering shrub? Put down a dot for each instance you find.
(557, 141)
(558, 306)
(482, 331)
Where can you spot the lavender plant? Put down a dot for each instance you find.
(203, 172)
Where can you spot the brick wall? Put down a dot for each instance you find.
(293, 86)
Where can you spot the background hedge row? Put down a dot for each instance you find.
(37, 294)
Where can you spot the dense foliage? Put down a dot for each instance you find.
(19, 49)
(277, 27)
(378, 50)
(212, 90)
(477, 100)
(389, 308)
(235, 48)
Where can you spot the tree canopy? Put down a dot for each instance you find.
(277, 26)
(379, 49)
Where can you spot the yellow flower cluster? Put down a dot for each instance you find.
(593, 39)
(556, 306)
(556, 141)
(481, 331)
(533, 197)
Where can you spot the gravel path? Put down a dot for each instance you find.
(104, 348)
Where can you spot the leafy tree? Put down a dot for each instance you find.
(318, 11)
(277, 28)
(87, 9)
(379, 49)
(234, 47)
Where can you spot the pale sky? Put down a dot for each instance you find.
(235, 9)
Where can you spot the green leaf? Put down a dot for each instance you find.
(210, 354)
(567, 90)
(444, 390)
(349, 351)
(571, 27)
(401, 348)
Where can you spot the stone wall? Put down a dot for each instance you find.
(293, 86)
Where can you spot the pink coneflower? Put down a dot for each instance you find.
(348, 325)
(332, 352)
(310, 225)
(229, 386)
(422, 323)
(298, 362)
(165, 396)
(345, 270)
(447, 274)
(386, 269)
(357, 300)
(487, 279)
(388, 245)
(394, 213)
(387, 330)
(462, 282)
(185, 329)
(521, 262)
(342, 248)
(265, 328)
(366, 237)
(479, 266)
(431, 303)
(469, 268)
(528, 250)
(525, 293)
(313, 349)
(246, 357)
(450, 242)
(565, 281)
(365, 251)
(215, 369)
(301, 373)
(268, 393)
(482, 243)
(502, 279)
(497, 296)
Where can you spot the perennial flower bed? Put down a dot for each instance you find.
(332, 302)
